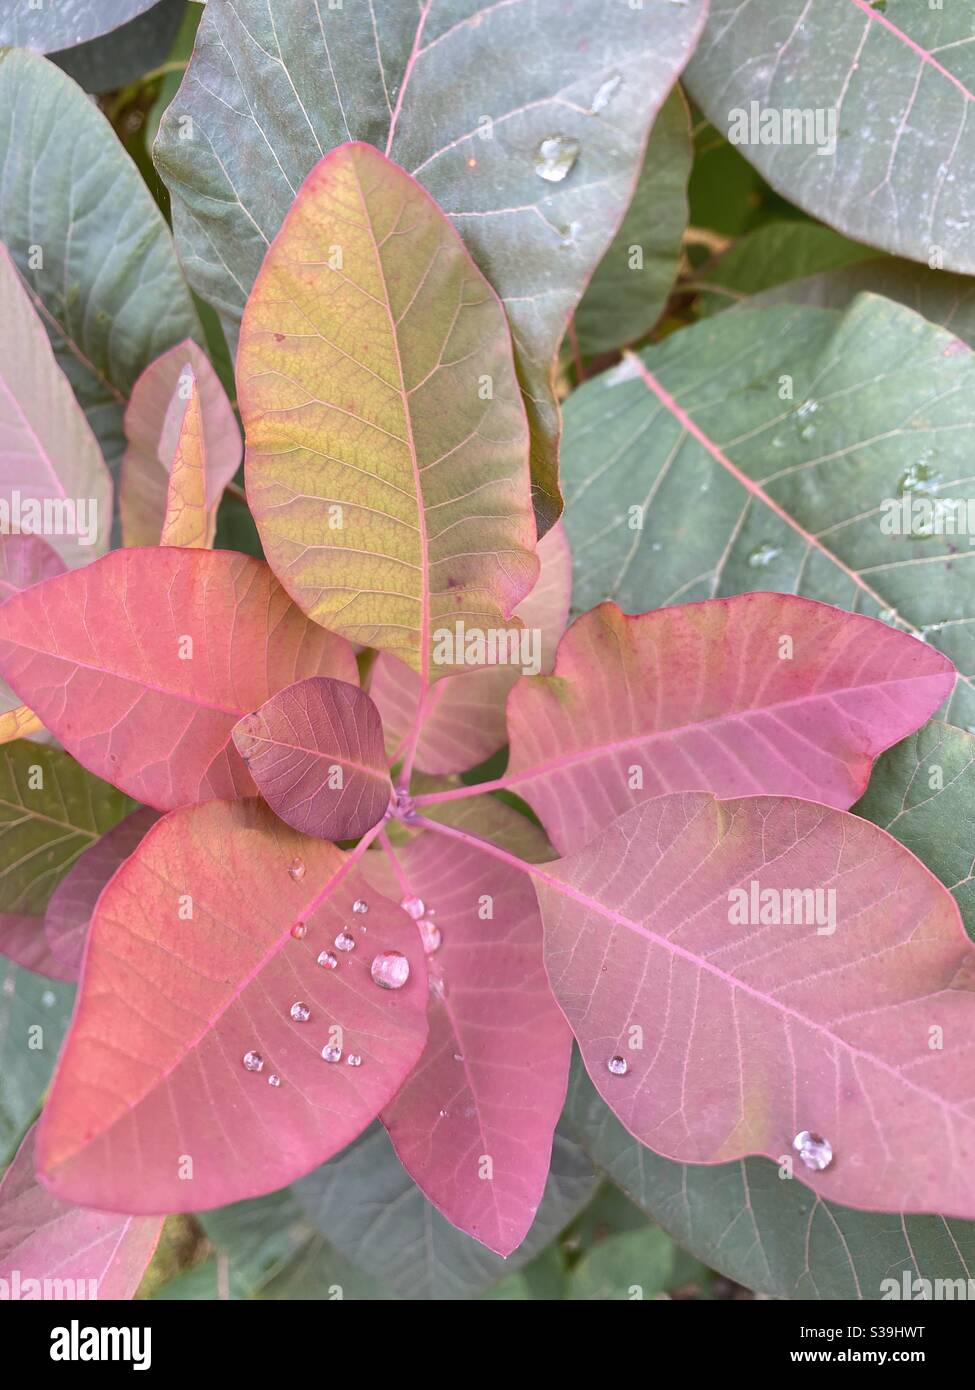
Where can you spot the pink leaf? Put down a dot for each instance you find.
(315, 750)
(733, 1035)
(63, 1247)
(184, 644)
(68, 914)
(196, 961)
(759, 694)
(490, 1085)
(464, 718)
(152, 421)
(48, 454)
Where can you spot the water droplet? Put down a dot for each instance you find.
(327, 961)
(253, 1061)
(763, 555)
(807, 432)
(297, 870)
(430, 935)
(414, 906)
(815, 1151)
(619, 1066)
(605, 93)
(353, 1060)
(458, 1056)
(49, 999)
(390, 970)
(300, 1012)
(274, 1079)
(360, 906)
(344, 942)
(438, 987)
(920, 477)
(331, 1053)
(807, 408)
(555, 156)
(299, 931)
(443, 1114)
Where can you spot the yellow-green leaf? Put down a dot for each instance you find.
(387, 445)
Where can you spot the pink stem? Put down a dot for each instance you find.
(499, 784)
(395, 865)
(495, 851)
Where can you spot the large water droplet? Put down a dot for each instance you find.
(815, 1151)
(360, 905)
(253, 1061)
(619, 1066)
(763, 555)
(605, 93)
(390, 970)
(414, 906)
(555, 156)
(327, 961)
(430, 935)
(344, 942)
(331, 1053)
(297, 870)
(300, 1012)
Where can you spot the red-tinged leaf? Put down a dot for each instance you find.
(387, 443)
(464, 717)
(738, 1036)
(146, 693)
(69, 912)
(51, 1249)
(24, 560)
(153, 417)
(192, 965)
(762, 694)
(189, 520)
(23, 941)
(315, 750)
(473, 1124)
(50, 461)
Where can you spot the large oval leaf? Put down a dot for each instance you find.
(187, 642)
(50, 1249)
(760, 694)
(162, 1101)
(776, 449)
(463, 96)
(315, 750)
(387, 448)
(88, 238)
(739, 973)
(895, 80)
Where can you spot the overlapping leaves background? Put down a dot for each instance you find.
(849, 275)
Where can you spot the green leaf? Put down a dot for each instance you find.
(895, 80)
(738, 489)
(375, 1214)
(939, 296)
(273, 1251)
(44, 27)
(773, 254)
(50, 810)
(923, 792)
(769, 1233)
(634, 1265)
(632, 282)
(88, 239)
(34, 1015)
(462, 97)
(115, 59)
